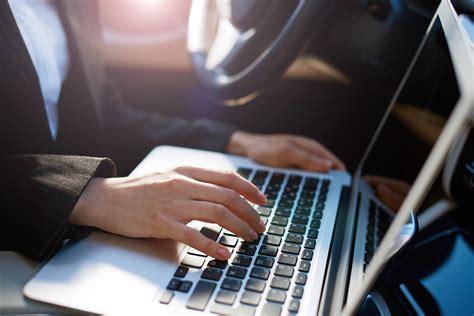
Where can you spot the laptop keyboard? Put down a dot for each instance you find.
(270, 271)
(378, 223)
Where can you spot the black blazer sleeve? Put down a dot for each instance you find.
(37, 196)
(132, 133)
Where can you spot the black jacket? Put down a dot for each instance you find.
(42, 179)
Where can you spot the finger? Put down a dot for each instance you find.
(209, 192)
(391, 198)
(394, 184)
(296, 156)
(228, 179)
(318, 149)
(196, 240)
(219, 214)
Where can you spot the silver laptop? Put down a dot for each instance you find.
(328, 235)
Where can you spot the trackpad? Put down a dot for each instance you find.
(104, 271)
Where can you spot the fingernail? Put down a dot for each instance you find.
(253, 234)
(223, 253)
(262, 197)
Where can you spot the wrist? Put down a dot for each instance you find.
(86, 212)
(238, 143)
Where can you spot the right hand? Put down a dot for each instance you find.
(161, 204)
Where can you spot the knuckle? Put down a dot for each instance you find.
(176, 182)
(219, 212)
(231, 197)
(189, 235)
(182, 169)
(207, 245)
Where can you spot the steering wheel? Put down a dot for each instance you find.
(255, 41)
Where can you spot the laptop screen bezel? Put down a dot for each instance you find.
(459, 118)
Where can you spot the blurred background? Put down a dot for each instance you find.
(336, 91)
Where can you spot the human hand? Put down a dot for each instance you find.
(281, 150)
(161, 204)
(392, 192)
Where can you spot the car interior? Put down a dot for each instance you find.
(327, 70)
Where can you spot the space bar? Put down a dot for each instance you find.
(201, 295)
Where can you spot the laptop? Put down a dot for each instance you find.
(328, 236)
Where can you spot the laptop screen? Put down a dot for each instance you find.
(414, 122)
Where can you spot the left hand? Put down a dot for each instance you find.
(282, 150)
(392, 192)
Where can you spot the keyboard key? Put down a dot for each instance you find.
(225, 297)
(266, 262)
(211, 231)
(280, 221)
(276, 230)
(300, 219)
(294, 179)
(297, 228)
(173, 284)
(237, 272)
(272, 240)
(297, 292)
(281, 211)
(277, 177)
(291, 248)
(264, 211)
(166, 297)
(277, 296)
(255, 242)
(288, 259)
(201, 295)
(228, 241)
(294, 306)
(307, 254)
(294, 238)
(241, 260)
(303, 210)
(304, 266)
(244, 172)
(255, 285)
(181, 272)
(280, 283)
(268, 250)
(261, 174)
(212, 274)
(219, 264)
(196, 252)
(250, 298)
(286, 203)
(318, 215)
(315, 223)
(284, 270)
(231, 284)
(313, 233)
(260, 273)
(222, 309)
(270, 309)
(270, 203)
(246, 249)
(228, 233)
(185, 286)
(301, 278)
(193, 261)
(246, 310)
(310, 243)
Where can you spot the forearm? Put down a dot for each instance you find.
(38, 194)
